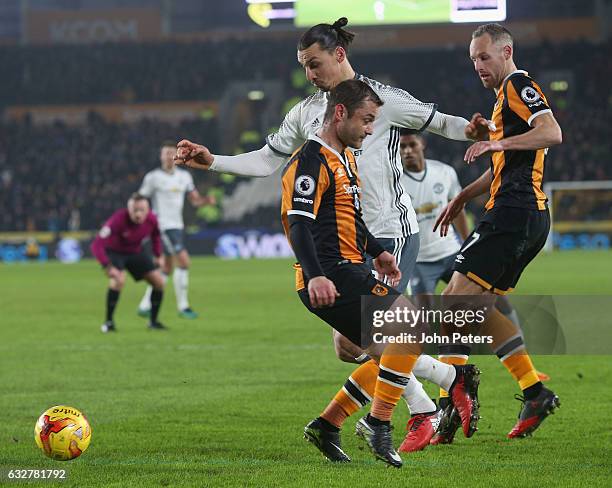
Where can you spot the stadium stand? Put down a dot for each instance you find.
(53, 177)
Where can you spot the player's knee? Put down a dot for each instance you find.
(346, 351)
(156, 280)
(183, 259)
(117, 283)
(460, 284)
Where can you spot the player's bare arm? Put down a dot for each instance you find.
(198, 200)
(457, 204)
(545, 133)
(460, 223)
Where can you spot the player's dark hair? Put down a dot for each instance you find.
(327, 36)
(410, 132)
(168, 143)
(497, 32)
(137, 197)
(352, 94)
(414, 132)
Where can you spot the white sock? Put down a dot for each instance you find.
(145, 303)
(416, 397)
(435, 371)
(181, 283)
(514, 318)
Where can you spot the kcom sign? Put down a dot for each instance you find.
(94, 31)
(87, 26)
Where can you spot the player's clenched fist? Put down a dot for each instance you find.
(193, 155)
(478, 129)
(386, 266)
(322, 292)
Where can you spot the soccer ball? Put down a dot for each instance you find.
(63, 433)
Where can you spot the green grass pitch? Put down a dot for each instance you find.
(363, 12)
(221, 401)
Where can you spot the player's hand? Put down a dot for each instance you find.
(479, 148)
(193, 155)
(478, 128)
(386, 266)
(209, 200)
(322, 292)
(449, 213)
(113, 273)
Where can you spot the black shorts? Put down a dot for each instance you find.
(502, 245)
(172, 241)
(352, 282)
(138, 264)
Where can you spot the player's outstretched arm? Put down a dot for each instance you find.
(458, 128)
(545, 133)
(260, 163)
(457, 204)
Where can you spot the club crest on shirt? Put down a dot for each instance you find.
(305, 185)
(438, 188)
(380, 290)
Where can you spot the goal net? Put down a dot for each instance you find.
(581, 214)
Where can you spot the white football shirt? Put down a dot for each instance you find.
(387, 210)
(167, 193)
(430, 191)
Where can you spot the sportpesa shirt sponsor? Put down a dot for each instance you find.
(321, 185)
(387, 209)
(167, 193)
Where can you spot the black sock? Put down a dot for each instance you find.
(533, 391)
(112, 297)
(375, 421)
(156, 298)
(444, 402)
(328, 425)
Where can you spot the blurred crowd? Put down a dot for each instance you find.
(64, 177)
(69, 178)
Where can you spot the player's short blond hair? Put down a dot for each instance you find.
(497, 32)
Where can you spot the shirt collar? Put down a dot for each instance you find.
(316, 138)
(506, 78)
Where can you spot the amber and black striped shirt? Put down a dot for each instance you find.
(517, 175)
(322, 187)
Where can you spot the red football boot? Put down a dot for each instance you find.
(533, 412)
(464, 395)
(421, 428)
